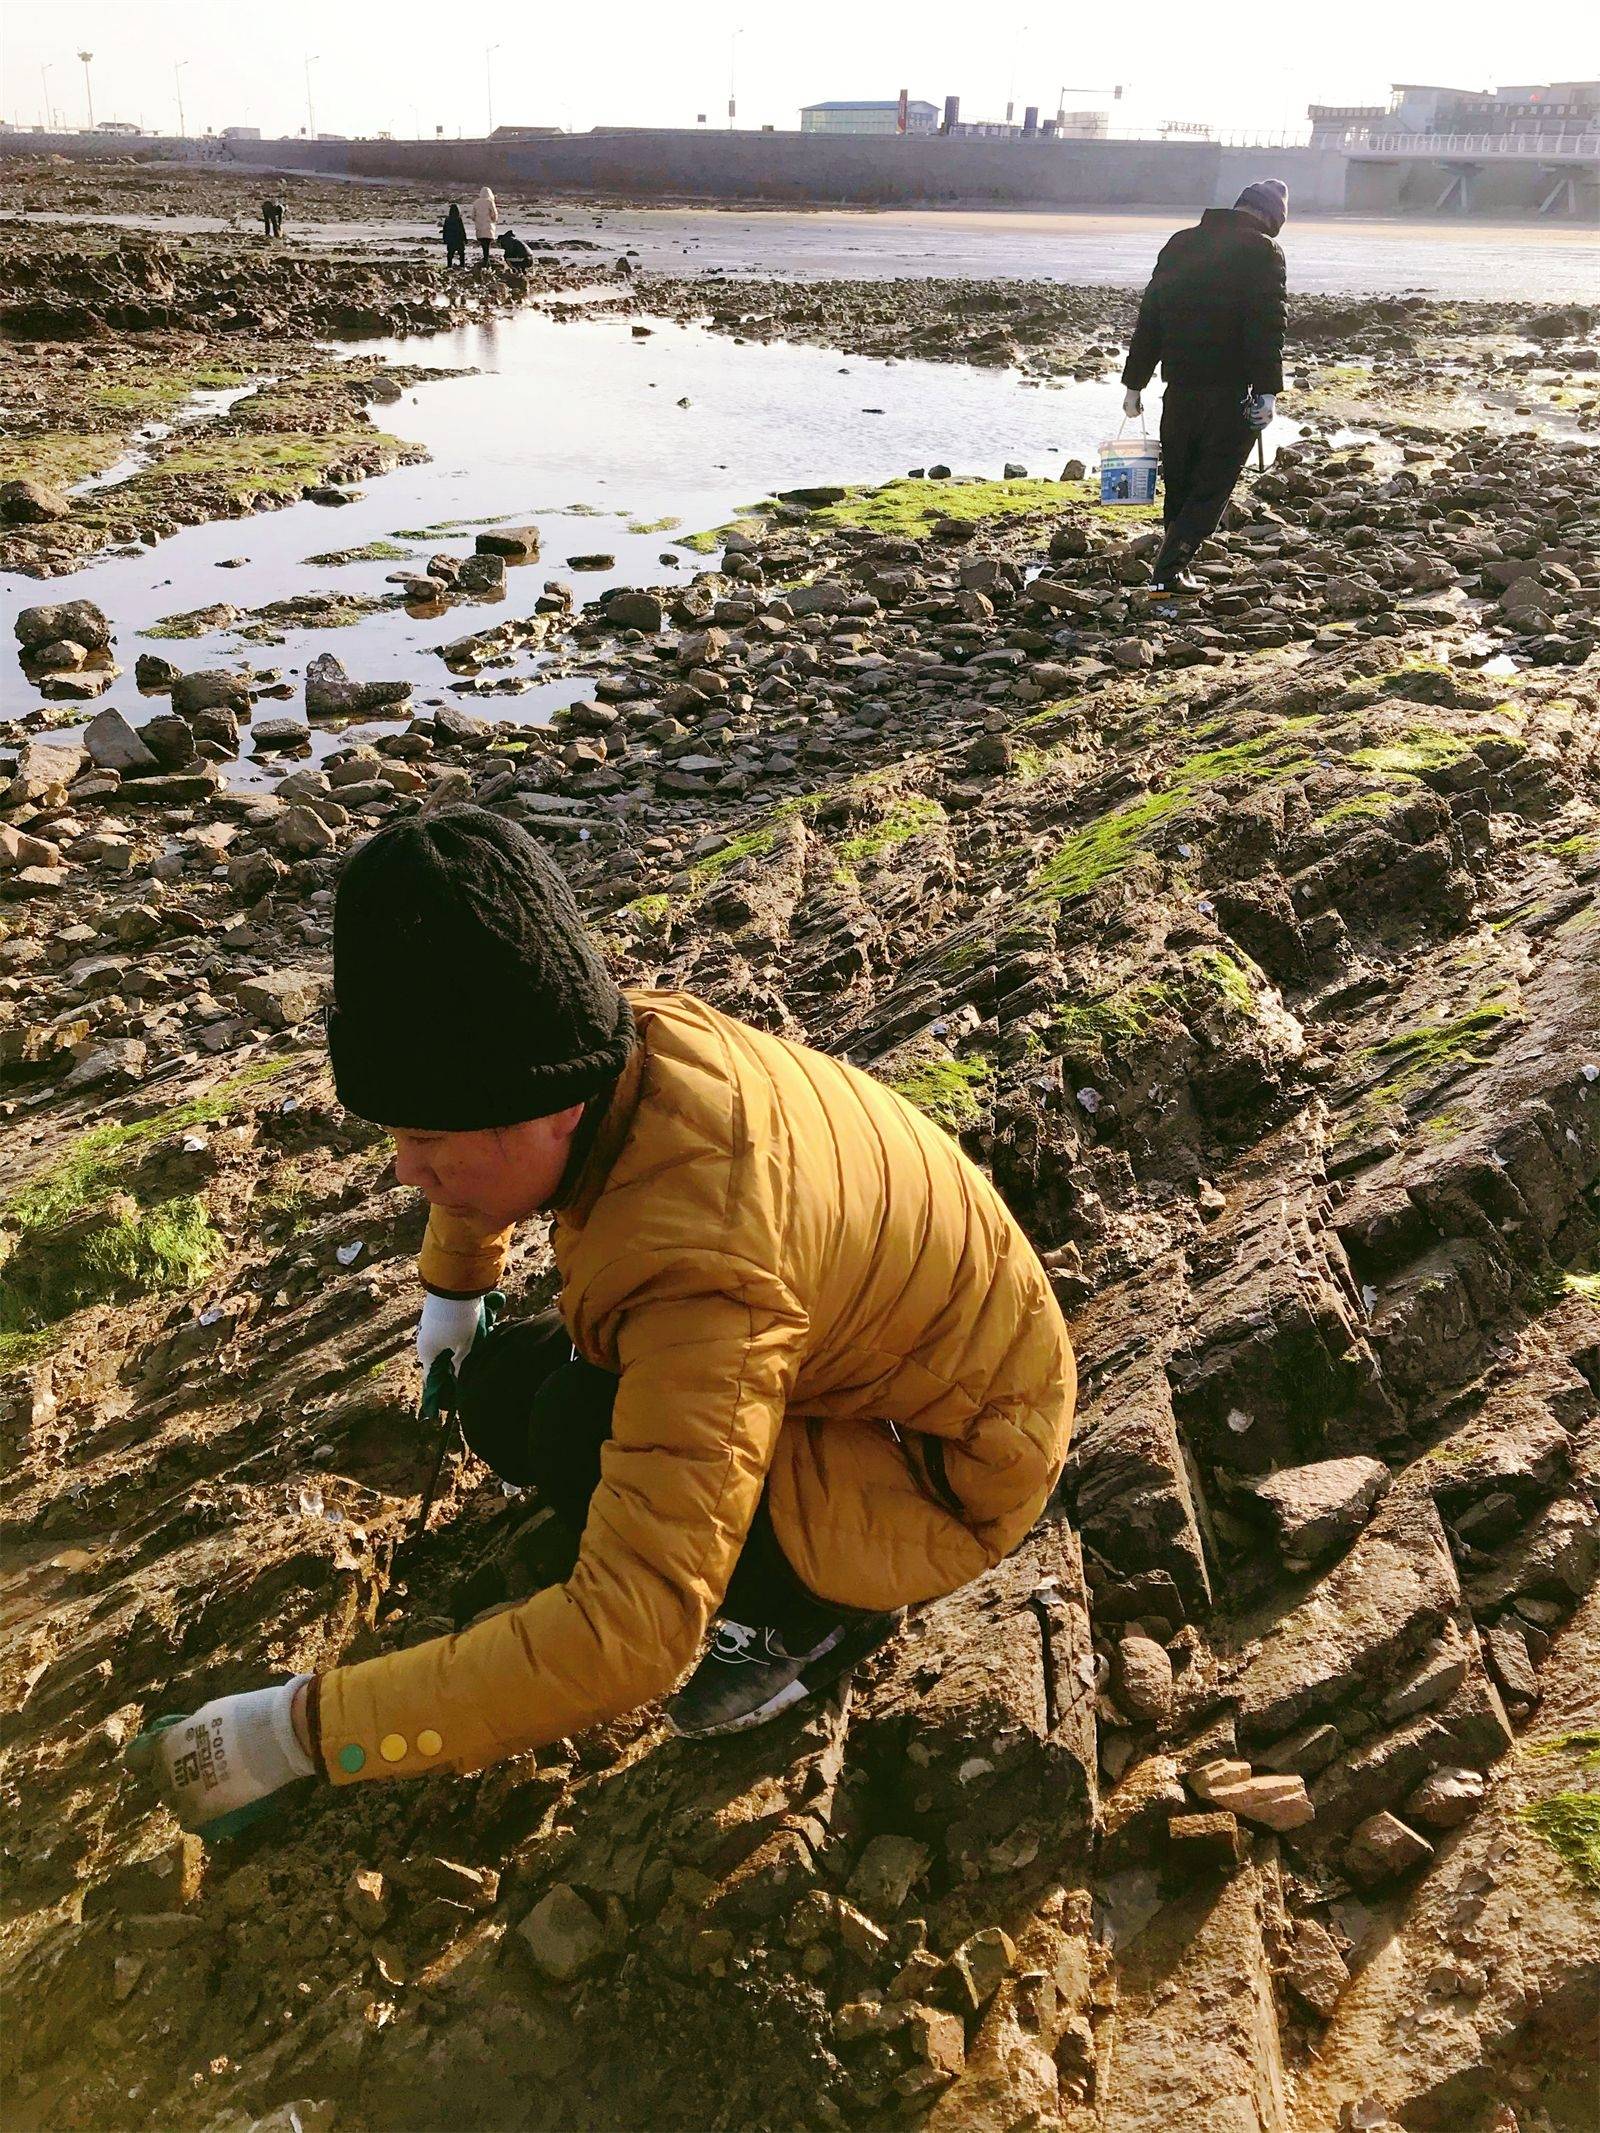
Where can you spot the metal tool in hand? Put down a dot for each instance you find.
(1251, 406)
(438, 1404)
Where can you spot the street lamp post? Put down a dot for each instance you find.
(733, 61)
(88, 89)
(311, 116)
(489, 51)
(1011, 91)
(49, 114)
(177, 82)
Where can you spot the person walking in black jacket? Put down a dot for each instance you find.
(454, 232)
(1213, 318)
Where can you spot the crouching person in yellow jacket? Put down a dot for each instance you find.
(807, 1369)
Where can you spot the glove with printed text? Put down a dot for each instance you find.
(219, 1767)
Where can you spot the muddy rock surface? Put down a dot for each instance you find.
(1251, 943)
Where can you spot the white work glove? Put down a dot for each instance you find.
(228, 1756)
(1132, 403)
(447, 1322)
(1262, 408)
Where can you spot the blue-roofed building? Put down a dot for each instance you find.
(869, 117)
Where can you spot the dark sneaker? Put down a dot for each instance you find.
(1178, 581)
(748, 1675)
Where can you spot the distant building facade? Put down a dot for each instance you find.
(869, 117)
(985, 130)
(1333, 124)
(924, 118)
(1563, 107)
(1083, 125)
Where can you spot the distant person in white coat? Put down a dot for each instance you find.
(485, 215)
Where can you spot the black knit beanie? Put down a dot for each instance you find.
(466, 990)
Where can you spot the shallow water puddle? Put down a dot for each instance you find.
(613, 443)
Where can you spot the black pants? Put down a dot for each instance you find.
(539, 1415)
(455, 255)
(1205, 442)
(486, 242)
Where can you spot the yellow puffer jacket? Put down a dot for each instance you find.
(781, 1259)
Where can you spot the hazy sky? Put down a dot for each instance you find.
(405, 66)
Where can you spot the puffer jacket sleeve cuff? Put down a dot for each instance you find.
(461, 1255)
(396, 1717)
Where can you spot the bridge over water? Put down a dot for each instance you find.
(1546, 173)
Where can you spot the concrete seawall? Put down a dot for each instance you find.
(794, 169)
(810, 170)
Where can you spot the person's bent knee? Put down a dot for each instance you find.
(536, 1414)
(497, 1387)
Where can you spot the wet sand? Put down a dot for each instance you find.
(1330, 255)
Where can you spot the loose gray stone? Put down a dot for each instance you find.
(30, 503)
(80, 620)
(1143, 1679)
(1383, 1847)
(635, 611)
(114, 745)
(210, 688)
(562, 1935)
(518, 544)
(886, 1872)
(1319, 1509)
(281, 998)
(331, 693)
(1446, 1797)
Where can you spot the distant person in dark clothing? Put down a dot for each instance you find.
(1213, 318)
(455, 238)
(516, 252)
(272, 217)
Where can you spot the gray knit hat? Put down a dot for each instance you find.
(1268, 198)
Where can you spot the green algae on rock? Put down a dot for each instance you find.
(1569, 1822)
(370, 552)
(910, 509)
(1111, 841)
(84, 1232)
(947, 1090)
(1419, 1059)
(132, 1251)
(906, 818)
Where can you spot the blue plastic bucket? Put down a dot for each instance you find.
(1128, 469)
